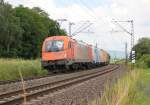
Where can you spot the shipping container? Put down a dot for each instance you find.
(96, 55)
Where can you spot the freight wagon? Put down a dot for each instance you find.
(105, 58)
(60, 52)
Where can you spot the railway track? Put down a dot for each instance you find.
(17, 97)
(4, 82)
(30, 78)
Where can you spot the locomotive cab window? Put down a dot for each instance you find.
(54, 46)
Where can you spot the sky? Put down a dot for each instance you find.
(100, 13)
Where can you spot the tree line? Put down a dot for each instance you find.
(142, 49)
(22, 30)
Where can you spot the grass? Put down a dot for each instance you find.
(143, 94)
(9, 68)
(128, 90)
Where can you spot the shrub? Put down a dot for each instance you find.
(144, 61)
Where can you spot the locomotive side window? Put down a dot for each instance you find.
(54, 46)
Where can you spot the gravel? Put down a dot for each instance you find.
(35, 82)
(81, 93)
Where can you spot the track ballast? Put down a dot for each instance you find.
(17, 97)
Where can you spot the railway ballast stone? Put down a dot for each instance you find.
(82, 93)
(35, 82)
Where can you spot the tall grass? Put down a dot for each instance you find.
(23, 88)
(9, 68)
(124, 92)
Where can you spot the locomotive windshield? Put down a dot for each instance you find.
(54, 46)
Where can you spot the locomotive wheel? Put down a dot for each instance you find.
(83, 67)
(89, 66)
(74, 67)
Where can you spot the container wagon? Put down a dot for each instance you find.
(105, 58)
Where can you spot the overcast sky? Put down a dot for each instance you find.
(100, 13)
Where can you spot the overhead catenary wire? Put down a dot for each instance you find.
(71, 9)
(82, 25)
(92, 11)
(82, 29)
(88, 10)
(85, 9)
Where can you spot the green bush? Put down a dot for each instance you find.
(144, 61)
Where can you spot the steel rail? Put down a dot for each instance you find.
(34, 92)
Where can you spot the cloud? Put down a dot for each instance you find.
(101, 16)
